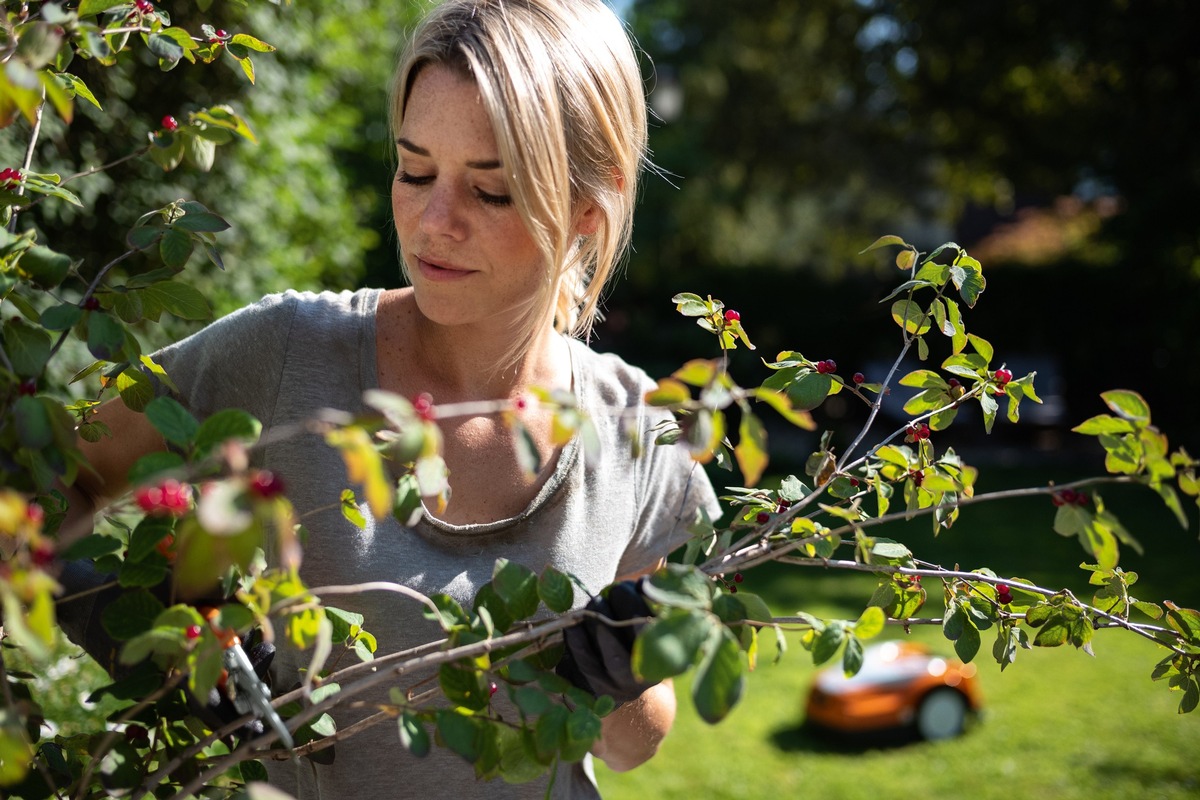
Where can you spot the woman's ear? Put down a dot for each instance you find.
(589, 219)
(591, 215)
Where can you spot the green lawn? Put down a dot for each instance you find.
(1057, 724)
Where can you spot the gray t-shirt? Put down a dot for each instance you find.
(600, 515)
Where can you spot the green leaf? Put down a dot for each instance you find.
(679, 586)
(1104, 424)
(34, 427)
(690, 305)
(175, 248)
(146, 536)
(720, 678)
(229, 423)
(852, 656)
(1128, 405)
(556, 590)
(28, 348)
(967, 645)
(153, 464)
(89, 8)
(669, 645)
(168, 50)
(105, 336)
(181, 299)
(246, 40)
(45, 267)
(969, 280)
(827, 642)
(464, 735)
(135, 388)
(517, 586)
(130, 614)
(206, 222)
(751, 449)
(413, 735)
(870, 624)
(92, 546)
(909, 315)
(144, 237)
(172, 420)
(884, 241)
(464, 686)
(61, 317)
(809, 390)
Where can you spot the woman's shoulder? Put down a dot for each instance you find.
(614, 380)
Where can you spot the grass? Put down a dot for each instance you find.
(1056, 724)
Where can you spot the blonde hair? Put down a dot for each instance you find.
(560, 82)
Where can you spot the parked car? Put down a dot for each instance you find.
(901, 684)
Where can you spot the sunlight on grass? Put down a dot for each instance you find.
(1057, 724)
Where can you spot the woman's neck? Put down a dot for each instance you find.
(460, 363)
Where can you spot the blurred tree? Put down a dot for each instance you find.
(793, 132)
(308, 203)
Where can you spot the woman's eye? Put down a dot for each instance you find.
(494, 199)
(413, 180)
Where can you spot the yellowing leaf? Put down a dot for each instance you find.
(364, 466)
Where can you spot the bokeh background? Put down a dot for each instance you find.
(1056, 142)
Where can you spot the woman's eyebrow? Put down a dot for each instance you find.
(416, 149)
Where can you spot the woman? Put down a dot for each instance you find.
(520, 129)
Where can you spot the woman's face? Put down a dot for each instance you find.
(468, 253)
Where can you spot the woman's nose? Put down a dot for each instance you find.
(443, 212)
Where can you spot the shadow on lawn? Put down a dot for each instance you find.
(805, 738)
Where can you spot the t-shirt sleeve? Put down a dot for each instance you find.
(236, 362)
(673, 488)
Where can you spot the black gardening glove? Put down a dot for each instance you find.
(597, 656)
(80, 619)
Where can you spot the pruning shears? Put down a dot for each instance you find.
(241, 684)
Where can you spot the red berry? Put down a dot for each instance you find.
(169, 498)
(136, 733)
(492, 688)
(827, 366)
(733, 590)
(266, 484)
(1002, 376)
(918, 477)
(1067, 496)
(784, 505)
(423, 405)
(762, 518)
(193, 632)
(28, 387)
(91, 303)
(145, 6)
(222, 34)
(737, 577)
(859, 377)
(170, 124)
(1004, 598)
(35, 514)
(953, 383)
(9, 177)
(521, 403)
(1081, 498)
(1002, 588)
(732, 316)
(854, 482)
(43, 554)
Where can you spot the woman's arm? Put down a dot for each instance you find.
(105, 478)
(631, 735)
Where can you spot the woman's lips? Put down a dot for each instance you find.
(435, 271)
